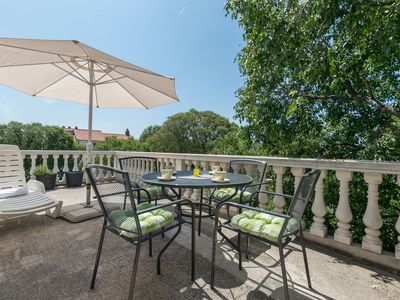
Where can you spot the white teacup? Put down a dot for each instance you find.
(166, 173)
(215, 168)
(219, 175)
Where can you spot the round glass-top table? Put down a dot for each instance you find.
(186, 180)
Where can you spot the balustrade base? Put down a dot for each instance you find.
(348, 240)
(322, 232)
(375, 247)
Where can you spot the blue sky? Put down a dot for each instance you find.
(191, 40)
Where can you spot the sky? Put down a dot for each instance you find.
(190, 40)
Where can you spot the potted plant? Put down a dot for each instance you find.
(74, 178)
(46, 176)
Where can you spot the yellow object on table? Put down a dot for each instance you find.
(196, 172)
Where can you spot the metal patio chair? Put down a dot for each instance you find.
(137, 166)
(270, 227)
(135, 223)
(243, 195)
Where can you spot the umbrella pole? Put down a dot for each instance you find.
(89, 144)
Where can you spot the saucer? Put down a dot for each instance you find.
(166, 179)
(219, 181)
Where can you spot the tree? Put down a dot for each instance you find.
(114, 144)
(190, 132)
(148, 132)
(36, 136)
(315, 71)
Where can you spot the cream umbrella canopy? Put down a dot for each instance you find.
(72, 71)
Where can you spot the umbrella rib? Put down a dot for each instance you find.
(76, 70)
(53, 83)
(78, 44)
(110, 80)
(105, 74)
(34, 50)
(148, 86)
(127, 91)
(32, 64)
(46, 87)
(70, 73)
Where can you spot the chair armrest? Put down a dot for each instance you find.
(177, 202)
(272, 193)
(36, 186)
(234, 204)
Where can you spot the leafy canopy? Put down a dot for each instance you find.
(315, 71)
(190, 132)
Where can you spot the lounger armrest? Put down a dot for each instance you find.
(36, 186)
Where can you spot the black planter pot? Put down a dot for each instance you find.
(74, 178)
(49, 181)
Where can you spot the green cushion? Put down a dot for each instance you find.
(223, 194)
(149, 222)
(154, 191)
(262, 224)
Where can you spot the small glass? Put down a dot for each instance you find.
(196, 171)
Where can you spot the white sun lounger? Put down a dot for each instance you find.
(12, 176)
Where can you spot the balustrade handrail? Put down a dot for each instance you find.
(375, 166)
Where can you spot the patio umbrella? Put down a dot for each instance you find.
(72, 71)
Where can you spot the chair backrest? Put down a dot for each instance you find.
(12, 172)
(115, 195)
(256, 169)
(302, 196)
(137, 166)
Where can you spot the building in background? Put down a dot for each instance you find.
(81, 135)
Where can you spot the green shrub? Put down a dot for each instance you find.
(42, 170)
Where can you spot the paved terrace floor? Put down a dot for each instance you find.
(41, 258)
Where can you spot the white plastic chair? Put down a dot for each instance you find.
(12, 175)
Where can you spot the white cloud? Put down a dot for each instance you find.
(181, 11)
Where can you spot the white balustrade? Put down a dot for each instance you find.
(279, 201)
(318, 208)
(372, 171)
(372, 218)
(343, 211)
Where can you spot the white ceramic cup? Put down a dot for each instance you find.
(215, 168)
(166, 173)
(219, 175)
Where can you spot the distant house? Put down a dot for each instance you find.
(82, 135)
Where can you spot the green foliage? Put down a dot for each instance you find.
(190, 132)
(148, 132)
(315, 71)
(42, 170)
(112, 143)
(36, 136)
(322, 80)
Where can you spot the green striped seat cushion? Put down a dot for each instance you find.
(154, 191)
(262, 224)
(149, 222)
(223, 194)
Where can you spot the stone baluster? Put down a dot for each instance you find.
(33, 165)
(188, 192)
(372, 218)
(319, 209)
(75, 166)
(55, 164)
(65, 168)
(195, 192)
(45, 157)
(343, 211)
(108, 174)
(397, 250)
(297, 173)
(279, 201)
(178, 164)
